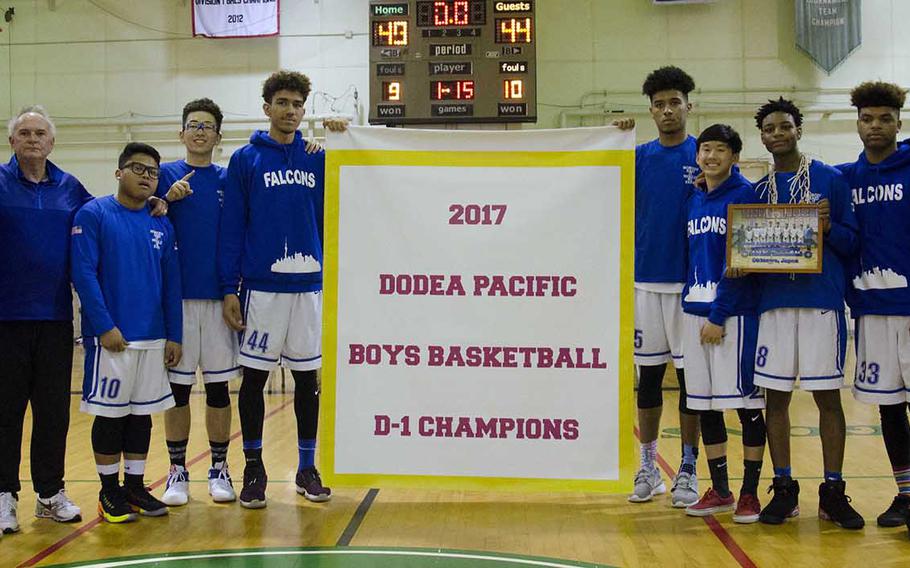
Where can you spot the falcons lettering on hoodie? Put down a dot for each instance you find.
(289, 177)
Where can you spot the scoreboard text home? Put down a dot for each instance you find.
(438, 61)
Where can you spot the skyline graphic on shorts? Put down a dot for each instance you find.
(878, 279)
(299, 263)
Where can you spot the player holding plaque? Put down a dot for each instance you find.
(802, 328)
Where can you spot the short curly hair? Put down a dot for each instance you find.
(780, 105)
(204, 105)
(668, 78)
(721, 133)
(285, 80)
(878, 94)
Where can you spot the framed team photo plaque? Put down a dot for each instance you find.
(774, 238)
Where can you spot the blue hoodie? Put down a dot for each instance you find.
(880, 197)
(272, 219)
(35, 223)
(664, 178)
(823, 291)
(708, 293)
(196, 219)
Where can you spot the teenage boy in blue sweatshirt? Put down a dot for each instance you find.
(720, 329)
(125, 269)
(665, 172)
(270, 261)
(195, 188)
(877, 293)
(802, 328)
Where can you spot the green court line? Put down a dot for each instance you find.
(331, 557)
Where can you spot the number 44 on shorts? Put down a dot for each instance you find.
(256, 342)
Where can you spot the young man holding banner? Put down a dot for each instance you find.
(270, 262)
(665, 170)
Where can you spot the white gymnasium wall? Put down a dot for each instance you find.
(110, 80)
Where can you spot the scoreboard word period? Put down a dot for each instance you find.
(443, 61)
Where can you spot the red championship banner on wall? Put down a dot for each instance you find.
(235, 18)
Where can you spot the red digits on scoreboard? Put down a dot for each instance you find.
(473, 214)
(448, 13)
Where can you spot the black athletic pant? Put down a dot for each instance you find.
(36, 363)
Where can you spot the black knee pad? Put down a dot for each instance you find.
(181, 394)
(305, 381)
(713, 428)
(138, 434)
(681, 378)
(216, 395)
(650, 382)
(107, 435)
(753, 423)
(253, 379)
(893, 414)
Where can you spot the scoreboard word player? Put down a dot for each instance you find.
(441, 61)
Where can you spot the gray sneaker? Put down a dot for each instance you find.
(648, 483)
(685, 490)
(9, 521)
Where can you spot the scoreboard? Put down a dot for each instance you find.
(443, 61)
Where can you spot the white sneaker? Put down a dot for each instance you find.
(648, 483)
(221, 488)
(59, 507)
(685, 490)
(177, 489)
(9, 523)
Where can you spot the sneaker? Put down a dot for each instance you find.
(59, 507)
(710, 503)
(252, 496)
(113, 506)
(177, 488)
(144, 502)
(309, 484)
(685, 490)
(897, 514)
(648, 483)
(221, 488)
(785, 502)
(747, 509)
(9, 522)
(834, 506)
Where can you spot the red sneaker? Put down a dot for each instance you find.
(710, 503)
(747, 509)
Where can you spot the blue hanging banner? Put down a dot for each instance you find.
(828, 30)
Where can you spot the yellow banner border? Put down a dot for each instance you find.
(335, 160)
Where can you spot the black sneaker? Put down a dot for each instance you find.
(898, 514)
(309, 484)
(252, 496)
(144, 502)
(834, 506)
(785, 502)
(113, 506)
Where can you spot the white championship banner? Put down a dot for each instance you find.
(478, 309)
(235, 18)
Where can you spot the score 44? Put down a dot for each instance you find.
(473, 214)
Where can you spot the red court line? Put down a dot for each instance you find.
(97, 520)
(718, 529)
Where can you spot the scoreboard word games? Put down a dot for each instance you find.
(443, 61)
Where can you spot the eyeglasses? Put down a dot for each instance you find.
(204, 126)
(142, 169)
